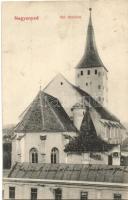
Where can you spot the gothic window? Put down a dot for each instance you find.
(33, 193)
(33, 155)
(81, 73)
(95, 71)
(84, 196)
(58, 194)
(54, 155)
(88, 72)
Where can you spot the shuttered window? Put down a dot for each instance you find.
(33, 193)
(11, 193)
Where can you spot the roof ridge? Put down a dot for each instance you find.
(41, 107)
(56, 114)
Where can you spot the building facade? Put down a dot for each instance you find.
(71, 181)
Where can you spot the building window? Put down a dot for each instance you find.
(54, 155)
(86, 84)
(84, 196)
(99, 98)
(33, 193)
(117, 196)
(11, 192)
(88, 72)
(33, 155)
(61, 83)
(81, 73)
(95, 71)
(99, 73)
(58, 194)
(99, 87)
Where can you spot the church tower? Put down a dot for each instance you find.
(91, 74)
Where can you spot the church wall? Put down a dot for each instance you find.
(85, 158)
(21, 148)
(95, 158)
(115, 152)
(62, 90)
(78, 114)
(74, 158)
(55, 140)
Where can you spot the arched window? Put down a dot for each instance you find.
(33, 155)
(54, 155)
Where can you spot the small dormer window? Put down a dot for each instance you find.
(81, 73)
(95, 71)
(88, 72)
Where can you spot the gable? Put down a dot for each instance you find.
(60, 88)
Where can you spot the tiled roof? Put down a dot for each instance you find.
(87, 141)
(91, 57)
(45, 114)
(76, 172)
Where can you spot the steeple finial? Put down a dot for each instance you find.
(90, 9)
(40, 83)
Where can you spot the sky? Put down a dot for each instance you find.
(34, 52)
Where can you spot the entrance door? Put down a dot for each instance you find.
(110, 160)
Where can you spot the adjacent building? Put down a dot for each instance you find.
(66, 181)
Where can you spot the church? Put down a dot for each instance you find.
(68, 127)
(61, 112)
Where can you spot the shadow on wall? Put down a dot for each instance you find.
(7, 148)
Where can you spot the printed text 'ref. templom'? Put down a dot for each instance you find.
(28, 18)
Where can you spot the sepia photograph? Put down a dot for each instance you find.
(64, 100)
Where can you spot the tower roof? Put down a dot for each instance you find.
(45, 114)
(91, 57)
(87, 127)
